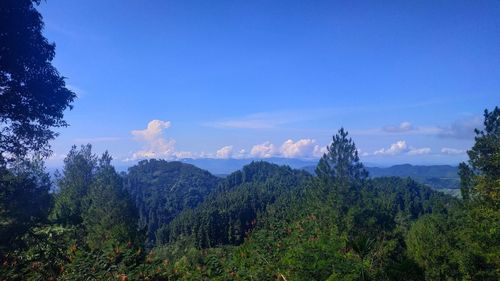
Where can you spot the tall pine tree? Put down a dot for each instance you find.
(341, 162)
(109, 215)
(79, 169)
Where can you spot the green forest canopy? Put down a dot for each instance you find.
(172, 221)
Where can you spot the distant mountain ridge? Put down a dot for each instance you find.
(436, 176)
(228, 166)
(219, 166)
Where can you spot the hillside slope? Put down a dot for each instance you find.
(227, 215)
(161, 190)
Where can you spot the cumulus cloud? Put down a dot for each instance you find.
(264, 150)
(319, 151)
(160, 148)
(400, 147)
(225, 152)
(300, 148)
(461, 129)
(155, 144)
(395, 149)
(241, 154)
(419, 151)
(184, 154)
(204, 154)
(401, 128)
(364, 153)
(452, 151)
(153, 131)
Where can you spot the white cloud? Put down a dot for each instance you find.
(241, 154)
(452, 151)
(398, 148)
(419, 151)
(366, 154)
(462, 129)
(156, 145)
(264, 150)
(403, 127)
(395, 149)
(204, 154)
(160, 148)
(300, 148)
(225, 152)
(153, 131)
(184, 154)
(319, 151)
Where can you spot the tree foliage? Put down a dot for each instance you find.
(481, 176)
(33, 95)
(74, 184)
(341, 162)
(24, 200)
(467, 241)
(264, 222)
(230, 212)
(161, 190)
(109, 216)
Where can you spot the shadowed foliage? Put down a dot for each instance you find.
(33, 95)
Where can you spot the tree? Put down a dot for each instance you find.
(481, 176)
(79, 169)
(466, 180)
(33, 95)
(430, 244)
(481, 189)
(24, 200)
(161, 190)
(341, 162)
(109, 215)
(476, 253)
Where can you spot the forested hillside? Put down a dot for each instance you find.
(226, 216)
(172, 221)
(161, 190)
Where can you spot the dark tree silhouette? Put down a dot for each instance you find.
(341, 162)
(33, 95)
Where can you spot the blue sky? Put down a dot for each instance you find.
(408, 79)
